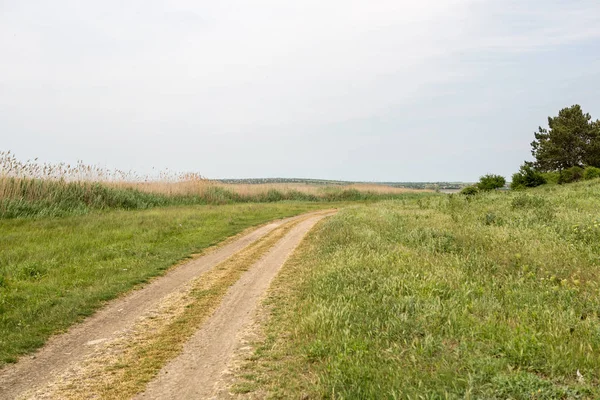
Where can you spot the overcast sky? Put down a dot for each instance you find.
(389, 90)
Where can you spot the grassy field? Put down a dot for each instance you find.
(54, 271)
(494, 296)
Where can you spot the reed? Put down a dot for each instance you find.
(30, 188)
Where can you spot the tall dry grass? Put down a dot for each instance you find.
(30, 187)
(15, 175)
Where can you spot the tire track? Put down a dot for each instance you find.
(197, 372)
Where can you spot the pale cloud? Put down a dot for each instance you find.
(352, 89)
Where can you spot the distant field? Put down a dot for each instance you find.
(493, 296)
(316, 190)
(325, 182)
(259, 190)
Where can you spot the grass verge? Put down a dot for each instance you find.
(494, 296)
(54, 272)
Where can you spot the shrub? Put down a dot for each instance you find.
(551, 177)
(491, 182)
(470, 190)
(591, 173)
(527, 177)
(569, 175)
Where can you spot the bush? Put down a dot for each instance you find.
(470, 190)
(527, 177)
(569, 175)
(551, 177)
(591, 173)
(491, 182)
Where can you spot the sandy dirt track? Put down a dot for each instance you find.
(194, 373)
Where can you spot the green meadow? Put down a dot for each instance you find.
(491, 296)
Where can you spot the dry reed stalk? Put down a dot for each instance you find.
(30, 180)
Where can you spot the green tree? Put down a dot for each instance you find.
(491, 182)
(572, 139)
(527, 176)
(470, 190)
(592, 157)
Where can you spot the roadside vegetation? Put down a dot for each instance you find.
(489, 296)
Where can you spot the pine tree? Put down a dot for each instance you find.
(572, 139)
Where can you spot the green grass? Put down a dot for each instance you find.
(495, 296)
(55, 271)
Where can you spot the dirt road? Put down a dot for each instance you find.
(195, 373)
